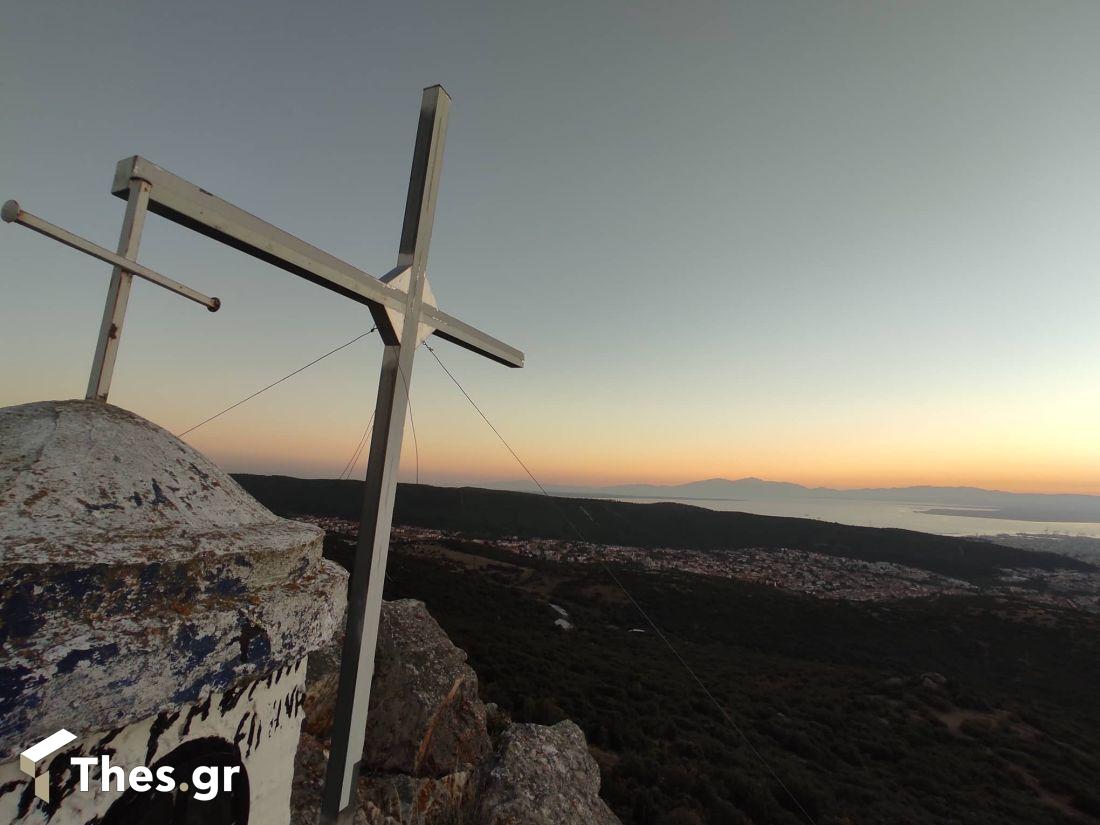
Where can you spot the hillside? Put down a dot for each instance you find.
(494, 513)
(965, 710)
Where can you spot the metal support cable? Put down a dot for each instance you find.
(660, 634)
(276, 383)
(412, 424)
(349, 468)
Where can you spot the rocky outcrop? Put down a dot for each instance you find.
(396, 799)
(425, 717)
(541, 776)
(429, 758)
(384, 799)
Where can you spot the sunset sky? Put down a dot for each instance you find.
(842, 243)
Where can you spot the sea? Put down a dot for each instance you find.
(872, 513)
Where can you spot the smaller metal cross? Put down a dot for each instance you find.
(125, 268)
(118, 293)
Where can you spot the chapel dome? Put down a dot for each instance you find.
(90, 479)
(138, 575)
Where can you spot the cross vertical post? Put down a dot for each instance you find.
(118, 293)
(369, 570)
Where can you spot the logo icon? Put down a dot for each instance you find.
(30, 760)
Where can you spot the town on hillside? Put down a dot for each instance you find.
(801, 571)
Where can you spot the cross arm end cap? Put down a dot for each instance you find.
(10, 211)
(440, 87)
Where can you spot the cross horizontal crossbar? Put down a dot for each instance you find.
(13, 214)
(171, 197)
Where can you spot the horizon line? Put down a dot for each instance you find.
(580, 487)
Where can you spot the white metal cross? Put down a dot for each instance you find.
(404, 311)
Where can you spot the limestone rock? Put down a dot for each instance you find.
(384, 799)
(322, 681)
(541, 776)
(309, 779)
(538, 776)
(933, 681)
(425, 718)
(428, 758)
(309, 783)
(400, 799)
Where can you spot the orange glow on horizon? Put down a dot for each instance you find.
(325, 458)
(1038, 446)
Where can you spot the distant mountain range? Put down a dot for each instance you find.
(955, 501)
(492, 514)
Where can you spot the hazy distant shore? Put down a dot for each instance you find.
(1013, 514)
(623, 496)
(943, 510)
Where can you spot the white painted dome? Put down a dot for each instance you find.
(97, 482)
(137, 574)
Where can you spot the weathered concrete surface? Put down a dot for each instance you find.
(138, 576)
(425, 717)
(541, 776)
(413, 775)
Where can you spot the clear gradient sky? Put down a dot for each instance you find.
(845, 243)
